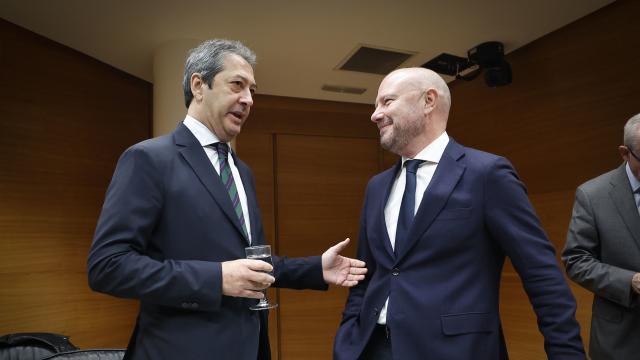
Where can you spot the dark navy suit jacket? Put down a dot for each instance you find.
(166, 225)
(443, 286)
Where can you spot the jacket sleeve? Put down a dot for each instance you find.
(299, 273)
(512, 222)
(118, 262)
(349, 329)
(356, 293)
(581, 257)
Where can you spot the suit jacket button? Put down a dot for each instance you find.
(185, 305)
(395, 272)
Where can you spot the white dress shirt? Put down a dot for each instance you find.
(431, 156)
(635, 186)
(207, 138)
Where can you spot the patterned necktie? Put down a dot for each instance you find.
(227, 179)
(408, 205)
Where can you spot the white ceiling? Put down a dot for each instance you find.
(299, 43)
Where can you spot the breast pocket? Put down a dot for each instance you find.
(457, 213)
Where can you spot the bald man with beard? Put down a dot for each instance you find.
(435, 230)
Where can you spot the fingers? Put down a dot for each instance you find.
(358, 270)
(349, 283)
(355, 277)
(337, 248)
(257, 275)
(354, 273)
(258, 265)
(245, 278)
(356, 263)
(255, 285)
(251, 294)
(351, 280)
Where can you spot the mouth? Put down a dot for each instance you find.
(237, 115)
(383, 125)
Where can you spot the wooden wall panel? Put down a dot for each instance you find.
(282, 115)
(559, 123)
(554, 210)
(301, 130)
(59, 301)
(519, 321)
(64, 120)
(524, 341)
(320, 182)
(257, 151)
(561, 119)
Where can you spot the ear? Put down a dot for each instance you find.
(197, 86)
(624, 152)
(430, 100)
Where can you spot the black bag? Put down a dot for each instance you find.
(33, 346)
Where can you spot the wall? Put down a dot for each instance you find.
(560, 123)
(64, 120)
(311, 160)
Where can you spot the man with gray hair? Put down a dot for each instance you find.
(435, 230)
(602, 252)
(177, 216)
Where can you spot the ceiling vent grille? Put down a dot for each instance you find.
(372, 60)
(344, 89)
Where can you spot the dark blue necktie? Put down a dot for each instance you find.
(408, 205)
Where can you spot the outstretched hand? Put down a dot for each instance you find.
(340, 270)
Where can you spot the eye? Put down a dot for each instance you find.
(388, 101)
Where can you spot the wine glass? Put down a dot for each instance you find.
(261, 252)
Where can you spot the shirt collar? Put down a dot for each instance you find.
(433, 152)
(635, 183)
(205, 136)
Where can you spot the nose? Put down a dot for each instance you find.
(246, 98)
(377, 115)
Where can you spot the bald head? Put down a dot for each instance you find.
(412, 108)
(423, 79)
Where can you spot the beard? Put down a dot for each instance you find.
(401, 135)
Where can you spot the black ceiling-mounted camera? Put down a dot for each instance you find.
(488, 56)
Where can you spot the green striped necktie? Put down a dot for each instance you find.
(227, 180)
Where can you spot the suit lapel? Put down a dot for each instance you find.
(192, 152)
(387, 183)
(252, 202)
(624, 201)
(444, 180)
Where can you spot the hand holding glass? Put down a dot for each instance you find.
(261, 252)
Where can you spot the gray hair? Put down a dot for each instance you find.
(208, 60)
(631, 131)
